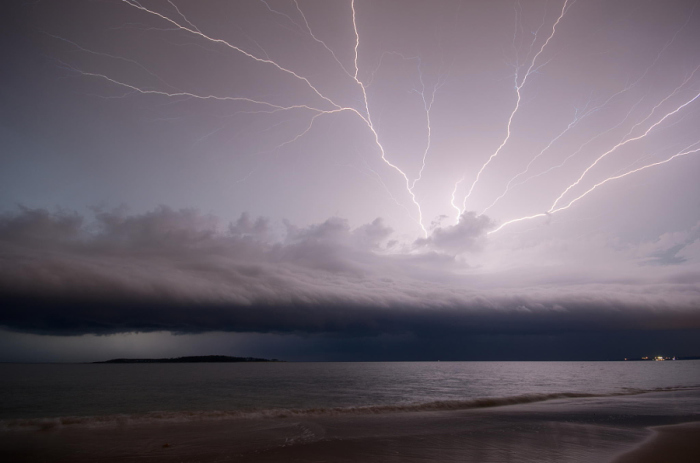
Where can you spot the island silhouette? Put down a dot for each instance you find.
(193, 359)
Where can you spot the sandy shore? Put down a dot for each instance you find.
(622, 429)
(676, 443)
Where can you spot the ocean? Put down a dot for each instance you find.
(284, 405)
(56, 391)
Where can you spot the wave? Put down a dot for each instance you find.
(211, 415)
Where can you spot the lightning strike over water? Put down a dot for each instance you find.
(184, 180)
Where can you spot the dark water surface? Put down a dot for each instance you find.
(31, 391)
(483, 412)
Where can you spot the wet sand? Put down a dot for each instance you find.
(603, 429)
(677, 444)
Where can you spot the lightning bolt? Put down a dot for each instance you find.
(316, 103)
(366, 117)
(196, 32)
(627, 88)
(368, 120)
(623, 143)
(554, 209)
(581, 147)
(599, 184)
(428, 106)
(185, 24)
(616, 177)
(571, 125)
(142, 91)
(184, 17)
(518, 88)
(410, 185)
(308, 128)
(289, 18)
(308, 29)
(357, 42)
(660, 103)
(453, 199)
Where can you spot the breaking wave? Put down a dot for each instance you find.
(116, 420)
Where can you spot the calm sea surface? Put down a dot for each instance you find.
(60, 390)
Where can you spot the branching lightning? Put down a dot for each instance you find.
(368, 120)
(627, 88)
(591, 189)
(518, 87)
(188, 26)
(142, 91)
(232, 47)
(571, 125)
(616, 177)
(428, 106)
(308, 29)
(622, 143)
(583, 145)
(317, 101)
(554, 209)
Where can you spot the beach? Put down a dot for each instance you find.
(674, 443)
(614, 428)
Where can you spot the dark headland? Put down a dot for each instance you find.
(195, 359)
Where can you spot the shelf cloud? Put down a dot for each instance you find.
(180, 271)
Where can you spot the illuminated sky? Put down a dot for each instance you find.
(350, 180)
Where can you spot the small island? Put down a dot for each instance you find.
(195, 359)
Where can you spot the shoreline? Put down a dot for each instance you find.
(677, 443)
(184, 416)
(588, 429)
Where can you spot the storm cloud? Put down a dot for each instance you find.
(182, 271)
(449, 177)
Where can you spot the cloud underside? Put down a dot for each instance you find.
(178, 271)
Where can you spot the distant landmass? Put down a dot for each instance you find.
(195, 359)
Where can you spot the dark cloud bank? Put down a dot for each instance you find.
(184, 272)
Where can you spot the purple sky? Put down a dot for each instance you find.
(343, 180)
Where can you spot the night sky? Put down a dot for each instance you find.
(339, 180)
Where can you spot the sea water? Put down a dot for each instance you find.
(41, 394)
